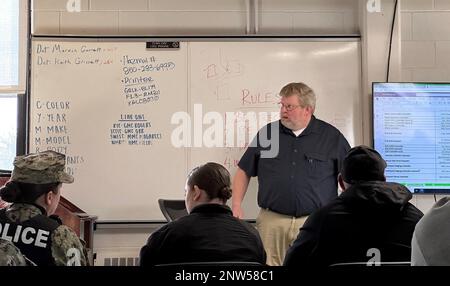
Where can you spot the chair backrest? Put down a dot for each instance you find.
(10, 255)
(172, 209)
(386, 263)
(213, 263)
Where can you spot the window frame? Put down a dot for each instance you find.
(22, 88)
(23, 36)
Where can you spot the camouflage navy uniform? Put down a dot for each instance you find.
(65, 246)
(10, 255)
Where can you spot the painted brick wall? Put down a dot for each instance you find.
(425, 40)
(194, 17)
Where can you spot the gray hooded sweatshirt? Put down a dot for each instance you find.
(431, 238)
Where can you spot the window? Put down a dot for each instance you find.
(13, 28)
(8, 130)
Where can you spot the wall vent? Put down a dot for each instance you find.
(121, 261)
(117, 257)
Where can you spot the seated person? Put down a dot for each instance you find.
(431, 239)
(371, 221)
(34, 191)
(209, 232)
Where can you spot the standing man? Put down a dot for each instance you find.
(299, 179)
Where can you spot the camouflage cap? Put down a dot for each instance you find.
(41, 168)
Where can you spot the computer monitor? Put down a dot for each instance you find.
(411, 130)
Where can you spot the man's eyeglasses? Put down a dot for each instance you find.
(289, 107)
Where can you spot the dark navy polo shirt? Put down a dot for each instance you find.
(303, 176)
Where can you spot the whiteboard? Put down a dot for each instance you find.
(116, 108)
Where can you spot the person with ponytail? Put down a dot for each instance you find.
(209, 233)
(34, 192)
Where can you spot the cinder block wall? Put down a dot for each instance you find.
(425, 39)
(193, 17)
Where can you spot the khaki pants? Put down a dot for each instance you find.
(277, 232)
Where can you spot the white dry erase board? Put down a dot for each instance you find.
(117, 110)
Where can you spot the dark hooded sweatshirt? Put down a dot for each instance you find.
(370, 221)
